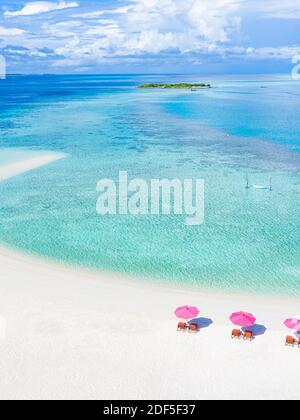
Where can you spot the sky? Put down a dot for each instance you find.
(150, 36)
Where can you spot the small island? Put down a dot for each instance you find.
(193, 86)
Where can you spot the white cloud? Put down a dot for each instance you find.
(149, 27)
(61, 29)
(90, 15)
(278, 53)
(121, 10)
(282, 9)
(98, 13)
(212, 20)
(156, 26)
(8, 32)
(39, 7)
(146, 29)
(25, 52)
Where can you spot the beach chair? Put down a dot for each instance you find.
(193, 328)
(248, 336)
(236, 334)
(290, 341)
(181, 326)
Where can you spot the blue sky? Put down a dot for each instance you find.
(150, 36)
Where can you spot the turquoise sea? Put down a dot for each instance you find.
(248, 124)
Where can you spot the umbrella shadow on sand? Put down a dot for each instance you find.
(201, 322)
(257, 330)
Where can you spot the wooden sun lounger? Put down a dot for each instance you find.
(236, 334)
(193, 328)
(182, 326)
(290, 341)
(248, 335)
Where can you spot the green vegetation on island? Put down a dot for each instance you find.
(174, 86)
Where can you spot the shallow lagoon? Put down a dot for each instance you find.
(250, 239)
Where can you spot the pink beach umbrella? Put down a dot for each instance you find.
(293, 324)
(243, 319)
(187, 312)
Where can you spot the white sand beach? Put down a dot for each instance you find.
(71, 334)
(25, 165)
